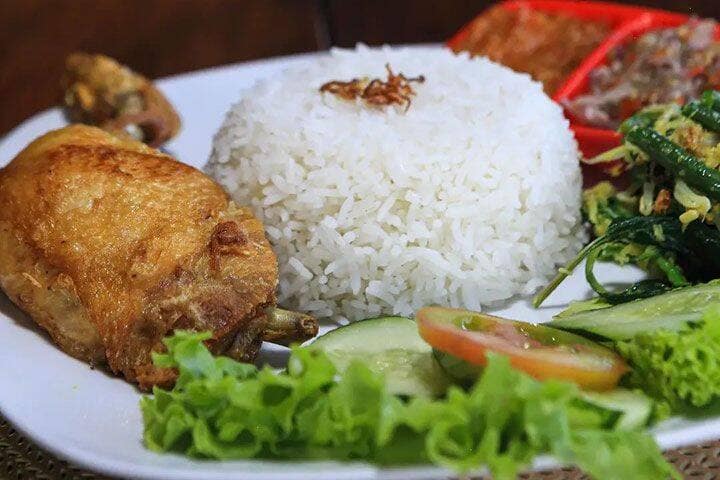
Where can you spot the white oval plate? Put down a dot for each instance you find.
(93, 419)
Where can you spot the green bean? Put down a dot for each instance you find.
(676, 160)
(702, 114)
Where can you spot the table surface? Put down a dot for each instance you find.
(164, 37)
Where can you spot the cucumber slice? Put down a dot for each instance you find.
(634, 408)
(669, 311)
(391, 346)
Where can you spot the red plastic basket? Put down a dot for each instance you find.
(614, 15)
(593, 140)
(626, 22)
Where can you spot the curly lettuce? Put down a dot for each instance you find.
(682, 367)
(221, 409)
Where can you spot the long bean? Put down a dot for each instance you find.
(702, 114)
(676, 160)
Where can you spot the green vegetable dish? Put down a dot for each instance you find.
(666, 220)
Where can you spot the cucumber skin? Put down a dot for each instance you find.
(351, 327)
(669, 311)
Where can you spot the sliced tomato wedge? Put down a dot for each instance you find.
(542, 352)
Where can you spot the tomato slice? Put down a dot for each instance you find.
(540, 351)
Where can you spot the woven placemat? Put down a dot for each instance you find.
(21, 460)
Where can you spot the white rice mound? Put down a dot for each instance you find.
(469, 197)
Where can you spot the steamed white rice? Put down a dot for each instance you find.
(468, 198)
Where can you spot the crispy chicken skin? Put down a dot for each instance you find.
(109, 245)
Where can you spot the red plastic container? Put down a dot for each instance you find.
(627, 23)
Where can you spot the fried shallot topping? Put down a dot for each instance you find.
(396, 90)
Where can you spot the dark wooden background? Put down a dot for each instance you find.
(162, 37)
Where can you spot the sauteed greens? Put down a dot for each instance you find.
(666, 221)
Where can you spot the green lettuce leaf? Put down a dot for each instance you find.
(221, 409)
(681, 368)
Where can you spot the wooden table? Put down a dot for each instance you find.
(163, 37)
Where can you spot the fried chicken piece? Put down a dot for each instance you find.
(100, 91)
(110, 245)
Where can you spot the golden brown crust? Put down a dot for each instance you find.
(130, 236)
(49, 296)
